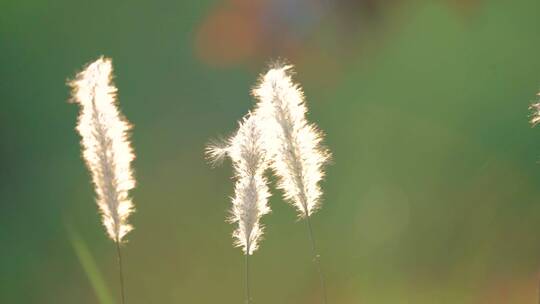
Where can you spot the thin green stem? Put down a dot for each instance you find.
(248, 293)
(316, 259)
(248, 299)
(121, 272)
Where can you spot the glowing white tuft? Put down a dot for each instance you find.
(536, 112)
(251, 194)
(293, 144)
(105, 145)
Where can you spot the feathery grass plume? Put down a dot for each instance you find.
(535, 107)
(251, 194)
(294, 145)
(105, 144)
(250, 200)
(106, 148)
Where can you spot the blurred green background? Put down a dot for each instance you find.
(432, 196)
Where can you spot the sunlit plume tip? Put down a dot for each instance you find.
(105, 145)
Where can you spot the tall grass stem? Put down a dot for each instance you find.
(248, 287)
(121, 273)
(317, 260)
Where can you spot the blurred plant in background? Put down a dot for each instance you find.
(323, 33)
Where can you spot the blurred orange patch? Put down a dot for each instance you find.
(228, 35)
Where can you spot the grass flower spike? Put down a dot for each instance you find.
(251, 191)
(294, 144)
(250, 200)
(105, 145)
(535, 107)
(106, 149)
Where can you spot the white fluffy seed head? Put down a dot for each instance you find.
(535, 107)
(250, 200)
(105, 145)
(293, 144)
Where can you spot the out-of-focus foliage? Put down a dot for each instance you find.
(243, 31)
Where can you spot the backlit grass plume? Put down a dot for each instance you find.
(294, 145)
(105, 145)
(106, 148)
(249, 203)
(251, 191)
(535, 107)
